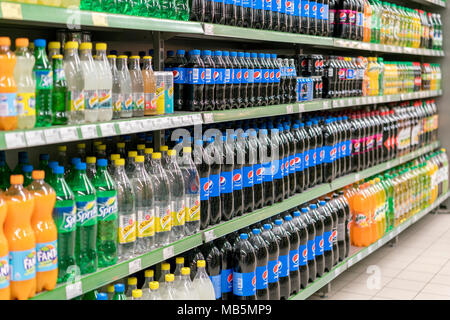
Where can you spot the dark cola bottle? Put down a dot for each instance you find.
(328, 256)
(285, 164)
(305, 156)
(324, 13)
(299, 141)
(294, 243)
(238, 4)
(272, 264)
(208, 97)
(302, 249)
(275, 79)
(291, 159)
(329, 141)
(318, 252)
(320, 153)
(244, 269)
(304, 16)
(334, 206)
(197, 10)
(214, 181)
(283, 258)
(266, 155)
(311, 244)
(213, 260)
(177, 64)
(219, 81)
(238, 194)
(313, 17)
(265, 79)
(243, 80)
(228, 80)
(209, 15)
(319, 18)
(267, 12)
(219, 12)
(356, 144)
(249, 75)
(309, 161)
(247, 173)
(202, 162)
(348, 144)
(194, 85)
(258, 14)
(262, 260)
(276, 15)
(190, 259)
(247, 13)
(255, 161)
(296, 26)
(348, 221)
(226, 179)
(343, 27)
(277, 163)
(236, 78)
(331, 17)
(257, 79)
(230, 12)
(226, 273)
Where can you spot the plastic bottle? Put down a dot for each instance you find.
(184, 288)
(85, 199)
(102, 296)
(192, 192)
(54, 48)
(8, 89)
(202, 284)
(178, 197)
(125, 84)
(105, 84)
(75, 84)
(43, 74)
(137, 86)
(4, 254)
(119, 290)
(22, 250)
(91, 83)
(26, 85)
(136, 294)
(169, 292)
(45, 232)
(131, 286)
(116, 91)
(149, 86)
(59, 93)
(154, 291)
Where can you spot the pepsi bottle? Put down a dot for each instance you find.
(214, 180)
(291, 159)
(219, 11)
(347, 224)
(304, 16)
(195, 84)
(226, 180)
(262, 260)
(319, 155)
(264, 98)
(309, 158)
(247, 11)
(247, 173)
(319, 227)
(177, 64)
(302, 249)
(257, 79)
(236, 78)
(244, 269)
(313, 17)
(237, 178)
(277, 166)
(299, 142)
(267, 12)
(272, 264)
(208, 97)
(228, 80)
(208, 15)
(325, 215)
(226, 273)
(266, 154)
(219, 81)
(230, 12)
(311, 244)
(283, 258)
(294, 242)
(277, 79)
(335, 206)
(276, 14)
(249, 78)
(238, 4)
(258, 13)
(285, 165)
(243, 80)
(255, 161)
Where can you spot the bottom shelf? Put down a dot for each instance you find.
(359, 253)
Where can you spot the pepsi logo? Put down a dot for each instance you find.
(357, 145)
(237, 178)
(254, 281)
(314, 156)
(286, 164)
(333, 235)
(265, 275)
(342, 15)
(275, 268)
(176, 75)
(289, 4)
(230, 278)
(295, 258)
(307, 157)
(314, 247)
(278, 2)
(208, 185)
(305, 253)
(272, 169)
(317, 63)
(321, 243)
(322, 154)
(278, 74)
(259, 172)
(292, 163)
(321, 10)
(320, 85)
(343, 148)
(297, 160)
(246, 74)
(282, 166)
(222, 181)
(306, 7)
(272, 74)
(267, 75)
(303, 63)
(250, 174)
(314, 8)
(333, 152)
(321, 63)
(202, 76)
(341, 72)
(239, 75)
(280, 266)
(257, 75)
(216, 75)
(268, 1)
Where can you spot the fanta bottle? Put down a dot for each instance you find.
(4, 259)
(45, 232)
(362, 210)
(8, 89)
(21, 239)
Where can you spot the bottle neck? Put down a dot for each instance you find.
(134, 64)
(147, 65)
(41, 56)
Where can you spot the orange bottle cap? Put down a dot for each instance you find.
(38, 174)
(5, 41)
(16, 178)
(22, 42)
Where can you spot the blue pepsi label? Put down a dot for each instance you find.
(219, 76)
(217, 281)
(306, 159)
(324, 12)
(327, 241)
(350, 74)
(321, 154)
(244, 284)
(226, 280)
(257, 4)
(257, 173)
(298, 162)
(292, 164)
(247, 3)
(276, 5)
(267, 172)
(179, 74)
(249, 74)
(304, 8)
(283, 266)
(303, 255)
(330, 153)
(226, 182)
(238, 3)
(261, 277)
(208, 75)
(272, 75)
(289, 4)
(319, 245)
(265, 76)
(283, 6)
(237, 76)
(311, 249)
(313, 9)
(277, 171)
(257, 75)
(244, 75)
(272, 270)
(283, 72)
(277, 75)
(205, 187)
(267, 5)
(214, 188)
(297, 8)
(247, 173)
(319, 11)
(228, 76)
(195, 75)
(293, 260)
(232, 2)
(237, 179)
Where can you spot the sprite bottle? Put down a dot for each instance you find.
(43, 74)
(106, 192)
(65, 217)
(27, 170)
(59, 94)
(86, 202)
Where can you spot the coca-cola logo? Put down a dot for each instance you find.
(266, 75)
(257, 75)
(295, 258)
(208, 185)
(250, 174)
(216, 75)
(222, 181)
(176, 75)
(237, 178)
(259, 172)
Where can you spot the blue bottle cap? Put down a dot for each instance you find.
(119, 287)
(27, 168)
(240, 54)
(256, 231)
(267, 226)
(295, 126)
(243, 236)
(267, 55)
(253, 55)
(345, 118)
(309, 123)
(102, 296)
(40, 43)
(225, 53)
(247, 54)
(313, 206)
(322, 203)
(102, 162)
(304, 210)
(53, 164)
(74, 161)
(44, 157)
(278, 222)
(170, 53)
(273, 55)
(206, 52)
(296, 213)
(181, 52)
(195, 52)
(316, 122)
(80, 166)
(302, 125)
(233, 54)
(261, 55)
(58, 170)
(218, 53)
(288, 218)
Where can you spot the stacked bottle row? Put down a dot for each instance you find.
(363, 20)
(383, 202)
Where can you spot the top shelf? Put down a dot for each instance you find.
(28, 14)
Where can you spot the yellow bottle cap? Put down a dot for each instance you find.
(185, 271)
(132, 281)
(154, 285)
(122, 56)
(111, 56)
(148, 150)
(136, 293)
(163, 148)
(165, 266)
(187, 149)
(62, 148)
(139, 159)
(90, 160)
(201, 263)
(57, 56)
(110, 288)
(120, 144)
(100, 46)
(149, 273)
(141, 146)
(179, 260)
(170, 277)
(71, 45)
(156, 155)
(147, 57)
(171, 153)
(135, 57)
(97, 143)
(132, 154)
(86, 46)
(119, 162)
(81, 145)
(101, 147)
(53, 45)
(115, 156)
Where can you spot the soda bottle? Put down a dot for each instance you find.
(266, 151)
(212, 150)
(238, 193)
(45, 232)
(257, 80)
(192, 192)
(302, 249)
(243, 77)
(202, 283)
(226, 180)
(248, 173)
(304, 16)
(202, 162)
(26, 85)
(22, 251)
(8, 91)
(256, 160)
(262, 259)
(311, 229)
(184, 287)
(294, 241)
(277, 166)
(103, 68)
(4, 252)
(283, 259)
(228, 80)
(44, 85)
(59, 92)
(244, 269)
(125, 84)
(116, 91)
(119, 289)
(276, 15)
(219, 77)
(195, 82)
(91, 82)
(137, 86)
(262, 81)
(272, 264)
(150, 86)
(75, 84)
(236, 79)
(209, 81)
(327, 256)
(177, 64)
(178, 197)
(90, 167)
(27, 170)
(213, 266)
(226, 276)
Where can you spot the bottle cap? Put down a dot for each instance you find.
(40, 43)
(102, 162)
(165, 266)
(38, 174)
(132, 281)
(58, 170)
(85, 46)
(256, 231)
(141, 146)
(80, 166)
(23, 42)
(132, 154)
(187, 149)
(97, 143)
(53, 164)
(163, 148)
(110, 288)
(100, 46)
(148, 150)
(171, 153)
(16, 179)
(154, 285)
(139, 159)
(27, 168)
(119, 162)
(119, 287)
(179, 260)
(322, 203)
(185, 271)
(62, 148)
(296, 214)
(44, 157)
(135, 57)
(170, 277)
(75, 160)
(267, 226)
(102, 296)
(156, 155)
(81, 145)
(136, 293)
(201, 263)
(147, 57)
(101, 147)
(122, 56)
(114, 156)
(120, 144)
(90, 160)
(71, 45)
(313, 206)
(243, 236)
(54, 45)
(278, 222)
(288, 218)
(111, 56)
(5, 41)
(149, 273)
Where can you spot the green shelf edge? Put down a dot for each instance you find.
(107, 275)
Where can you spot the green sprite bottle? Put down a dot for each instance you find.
(86, 202)
(107, 218)
(27, 170)
(51, 166)
(119, 290)
(44, 84)
(43, 164)
(59, 93)
(23, 159)
(65, 217)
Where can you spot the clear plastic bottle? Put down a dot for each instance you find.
(137, 294)
(91, 167)
(117, 98)
(105, 83)
(179, 264)
(127, 214)
(149, 277)
(168, 292)
(154, 291)
(131, 286)
(26, 85)
(143, 190)
(184, 287)
(131, 164)
(54, 48)
(137, 86)
(192, 192)
(178, 198)
(91, 82)
(75, 83)
(125, 84)
(149, 86)
(202, 284)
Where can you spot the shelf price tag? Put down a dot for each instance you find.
(208, 29)
(73, 290)
(99, 19)
(107, 129)
(301, 107)
(15, 140)
(34, 137)
(335, 104)
(134, 266)
(52, 136)
(89, 132)
(208, 117)
(289, 109)
(68, 133)
(325, 104)
(124, 127)
(168, 252)
(357, 177)
(11, 11)
(209, 235)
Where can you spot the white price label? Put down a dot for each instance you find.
(301, 107)
(335, 103)
(208, 117)
(107, 129)
(168, 253)
(89, 132)
(68, 133)
(99, 19)
(208, 29)
(357, 177)
(124, 127)
(289, 109)
(342, 102)
(11, 11)
(73, 290)
(134, 266)
(325, 104)
(52, 136)
(15, 140)
(209, 235)
(34, 137)
(357, 101)
(198, 119)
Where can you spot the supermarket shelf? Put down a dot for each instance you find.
(361, 253)
(437, 3)
(107, 275)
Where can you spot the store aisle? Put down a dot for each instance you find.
(417, 268)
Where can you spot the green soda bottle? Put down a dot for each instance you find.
(182, 10)
(71, 169)
(51, 166)
(43, 162)
(22, 159)
(86, 202)
(65, 217)
(119, 289)
(44, 84)
(59, 94)
(107, 218)
(27, 170)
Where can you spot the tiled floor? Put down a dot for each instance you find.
(418, 268)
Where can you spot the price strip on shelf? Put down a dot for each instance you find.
(351, 261)
(325, 104)
(208, 29)
(168, 253)
(301, 107)
(415, 218)
(371, 248)
(289, 109)
(15, 140)
(11, 11)
(124, 127)
(68, 133)
(357, 177)
(34, 137)
(136, 125)
(148, 124)
(197, 119)
(73, 290)
(52, 136)
(209, 235)
(358, 101)
(89, 132)
(134, 266)
(359, 256)
(208, 117)
(99, 19)
(107, 129)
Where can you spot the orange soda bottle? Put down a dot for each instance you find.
(45, 232)
(362, 211)
(8, 89)
(4, 258)
(21, 239)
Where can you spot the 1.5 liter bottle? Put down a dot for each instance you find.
(43, 74)
(8, 89)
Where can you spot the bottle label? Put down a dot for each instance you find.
(303, 255)
(244, 284)
(65, 218)
(146, 223)
(8, 105)
(247, 177)
(261, 277)
(267, 171)
(150, 101)
(257, 4)
(293, 260)
(127, 228)
(195, 75)
(219, 76)
(25, 104)
(292, 164)
(267, 5)
(283, 266)
(91, 99)
(226, 182)
(193, 213)
(272, 268)
(216, 281)
(265, 76)
(237, 179)
(304, 8)
(227, 76)
(257, 75)
(289, 7)
(276, 5)
(22, 265)
(226, 277)
(178, 212)
(277, 169)
(86, 213)
(214, 187)
(319, 11)
(107, 208)
(246, 3)
(163, 219)
(343, 17)
(207, 75)
(117, 102)
(44, 79)
(311, 249)
(4, 272)
(327, 240)
(138, 100)
(105, 99)
(205, 187)
(257, 173)
(298, 162)
(319, 245)
(179, 75)
(330, 154)
(306, 160)
(286, 166)
(46, 256)
(324, 12)
(313, 9)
